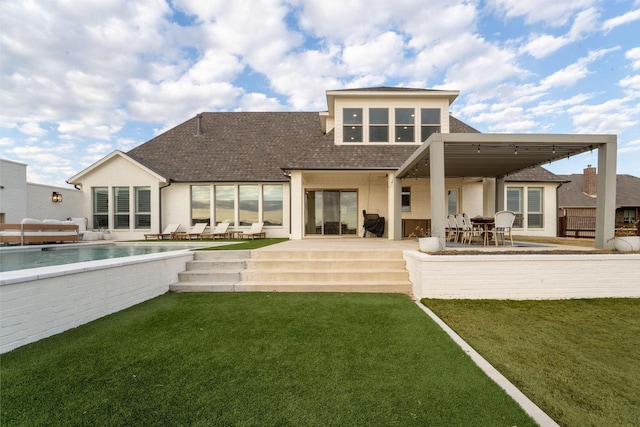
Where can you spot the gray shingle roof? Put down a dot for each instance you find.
(571, 193)
(538, 174)
(256, 146)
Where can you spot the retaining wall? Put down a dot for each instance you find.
(41, 302)
(524, 276)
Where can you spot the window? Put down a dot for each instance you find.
(248, 204)
(143, 207)
(100, 207)
(272, 208)
(378, 125)
(352, 129)
(200, 204)
(534, 207)
(405, 124)
(452, 202)
(121, 207)
(629, 216)
(429, 122)
(514, 204)
(406, 199)
(225, 204)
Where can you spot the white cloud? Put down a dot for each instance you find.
(631, 146)
(634, 56)
(612, 23)
(609, 117)
(32, 129)
(377, 56)
(551, 12)
(569, 75)
(631, 82)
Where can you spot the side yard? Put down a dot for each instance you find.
(578, 360)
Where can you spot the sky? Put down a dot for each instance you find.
(80, 79)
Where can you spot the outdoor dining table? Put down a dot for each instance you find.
(487, 223)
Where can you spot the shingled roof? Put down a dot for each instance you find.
(256, 146)
(571, 194)
(538, 174)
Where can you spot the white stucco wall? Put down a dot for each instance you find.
(549, 206)
(13, 187)
(40, 206)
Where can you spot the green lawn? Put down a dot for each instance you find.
(578, 360)
(248, 359)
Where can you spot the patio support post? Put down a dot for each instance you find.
(394, 185)
(488, 197)
(606, 194)
(297, 205)
(500, 184)
(438, 198)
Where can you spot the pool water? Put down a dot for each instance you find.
(11, 260)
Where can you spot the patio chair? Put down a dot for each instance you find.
(195, 232)
(254, 232)
(168, 233)
(503, 224)
(220, 231)
(473, 231)
(464, 232)
(452, 228)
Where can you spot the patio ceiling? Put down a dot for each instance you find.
(497, 155)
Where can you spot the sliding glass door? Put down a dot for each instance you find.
(331, 212)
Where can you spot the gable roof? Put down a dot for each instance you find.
(77, 178)
(256, 146)
(538, 174)
(571, 194)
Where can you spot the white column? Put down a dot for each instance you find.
(488, 197)
(394, 197)
(606, 194)
(297, 206)
(500, 205)
(438, 198)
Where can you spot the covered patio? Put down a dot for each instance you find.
(494, 157)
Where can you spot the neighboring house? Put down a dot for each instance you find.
(312, 174)
(577, 199)
(21, 199)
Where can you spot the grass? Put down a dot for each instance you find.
(245, 244)
(578, 360)
(254, 359)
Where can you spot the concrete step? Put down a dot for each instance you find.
(218, 275)
(403, 287)
(324, 264)
(326, 254)
(220, 264)
(318, 275)
(203, 287)
(221, 255)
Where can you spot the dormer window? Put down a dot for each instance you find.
(352, 129)
(405, 125)
(394, 125)
(378, 125)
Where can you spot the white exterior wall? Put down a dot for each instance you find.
(41, 302)
(470, 192)
(523, 276)
(40, 206)
(120, 172)
(13, 187)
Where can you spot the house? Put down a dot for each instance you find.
(394, 152)
(577, 199)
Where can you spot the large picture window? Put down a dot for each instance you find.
(248, 204)
(143, 207)
(272, 204)
(225, 203)
(200, 204)
(100, 207)
(406, 199)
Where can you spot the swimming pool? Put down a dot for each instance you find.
(45, 256)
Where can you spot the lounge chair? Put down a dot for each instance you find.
(254, 232)
(168, 233)
(196, 232)
(220, 231)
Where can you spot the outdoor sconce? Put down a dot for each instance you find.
(56, 197)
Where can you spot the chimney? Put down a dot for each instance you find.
(199, 131)
(590, 181)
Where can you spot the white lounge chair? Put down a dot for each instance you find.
(254, 232)
(168, 233)
(220, 231)
(195, 232)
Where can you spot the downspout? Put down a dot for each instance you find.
(170, 181)
(558, 210)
